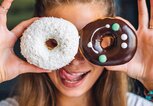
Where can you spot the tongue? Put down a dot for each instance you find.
(65, 75)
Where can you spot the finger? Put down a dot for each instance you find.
(25, 67)
(151, 14)
(127, 22)
(19, 29)
(143, 13)
(5, 5)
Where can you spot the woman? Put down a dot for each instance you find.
(99, 87)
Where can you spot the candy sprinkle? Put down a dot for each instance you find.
(102, 58)
(115, 27)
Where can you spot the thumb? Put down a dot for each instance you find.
(129, 70)
(121, 68)
(19, 29)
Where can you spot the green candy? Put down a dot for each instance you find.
(115, 27)
(151, 92)
(102, 58)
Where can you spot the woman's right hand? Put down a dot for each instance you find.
(10, 65)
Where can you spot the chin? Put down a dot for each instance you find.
(74, 93)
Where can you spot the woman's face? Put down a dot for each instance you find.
(79, 76)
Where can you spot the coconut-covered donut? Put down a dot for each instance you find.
(50, 43)
(108, 41)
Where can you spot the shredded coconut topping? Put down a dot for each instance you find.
(34, 49)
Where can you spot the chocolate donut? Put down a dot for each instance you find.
(108, 41)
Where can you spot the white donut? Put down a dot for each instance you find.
(33, 43)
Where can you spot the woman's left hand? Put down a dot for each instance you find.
(141, 66)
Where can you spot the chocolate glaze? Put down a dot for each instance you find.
(115, 53)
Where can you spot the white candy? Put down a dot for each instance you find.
(107, 26)
(90, 45)
(124, 45)
(124, 37)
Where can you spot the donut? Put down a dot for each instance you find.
(50, 43)
(108, 41)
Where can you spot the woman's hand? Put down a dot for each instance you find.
(141, 66)
(10, 65)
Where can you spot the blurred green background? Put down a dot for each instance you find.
(19, 11)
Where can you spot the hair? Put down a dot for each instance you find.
(42, 6)
(38, 90)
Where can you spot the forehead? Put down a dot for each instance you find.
(78, 14)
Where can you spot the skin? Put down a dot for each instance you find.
(140, 67)
(81, 94)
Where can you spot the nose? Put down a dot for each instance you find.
(79, 59)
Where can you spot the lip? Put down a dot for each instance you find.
(72, 79)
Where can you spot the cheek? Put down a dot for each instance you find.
(53, 76)
(98, 71)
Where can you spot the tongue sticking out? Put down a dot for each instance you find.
(71, 76)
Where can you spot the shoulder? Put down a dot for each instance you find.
(9, 102)
(135, 100)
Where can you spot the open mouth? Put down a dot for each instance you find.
(72, 79)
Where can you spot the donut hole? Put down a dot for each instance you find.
(107, 41)
(51, 44)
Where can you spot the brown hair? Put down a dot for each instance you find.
(42, 5)
(38, 90)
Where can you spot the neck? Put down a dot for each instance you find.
(83, 100)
